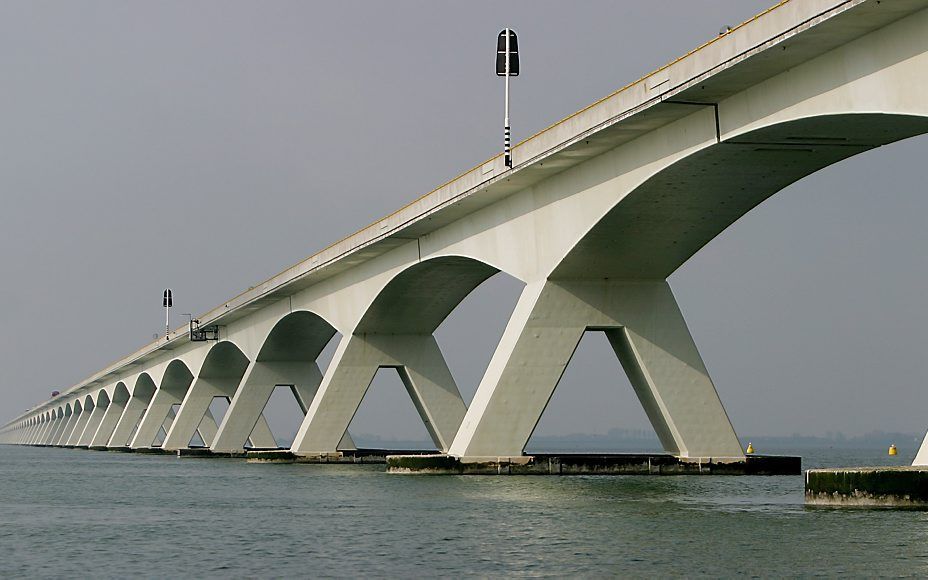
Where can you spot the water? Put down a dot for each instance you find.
(105, 515)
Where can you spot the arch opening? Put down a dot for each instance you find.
(594, 406)
(659, 226)
(288, 359)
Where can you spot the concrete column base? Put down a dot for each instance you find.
(890, 487)
(594, 464)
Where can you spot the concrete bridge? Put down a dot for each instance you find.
(596, 212)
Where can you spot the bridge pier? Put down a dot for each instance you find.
(155, 415)
(650, 337)
(357, 359)
(108, 423)
(29, 433)
(194, 416)
(40, 432)
(81, 422)
(921, 458)
(65, 433)
(93, 423)
(56, 430)
(37, 429)
(135, 407)
(243, 419)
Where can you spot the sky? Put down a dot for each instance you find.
(205, 146)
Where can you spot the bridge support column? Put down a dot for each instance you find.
(921, 458)
(108, 423)
(31, 433)
(93, 423)
(24, 433)
(422, 369)
(63, 421)
(243, 419)
(155, 415)
(46, 429)
(79, 425)
(127, 421)
(193, 410)
(194, 415)
(647, 332)
(37, 432)
(68, 428)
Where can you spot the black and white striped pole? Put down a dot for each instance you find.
(507, 65)
(168, 303)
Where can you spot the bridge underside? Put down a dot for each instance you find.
(593, 225)
(665, 221)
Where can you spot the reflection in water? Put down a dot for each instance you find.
(155, 516)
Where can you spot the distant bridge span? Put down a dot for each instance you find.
(597, 211)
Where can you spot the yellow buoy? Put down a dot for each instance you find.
(892, 449)
(750, 448)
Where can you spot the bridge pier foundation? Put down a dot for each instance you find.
(647, 331)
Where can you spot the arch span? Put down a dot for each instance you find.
(75, 410)
(654, 229)
(219, 376)
(625, 257)
(287, 357)
(94, 412)
(152, 402)
(128, 407)
(396, 331)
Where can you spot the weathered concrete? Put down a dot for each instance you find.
(424, 373)
(889, 487)
(647, 332)
(358, 456)
(593, 464)
(621, 193)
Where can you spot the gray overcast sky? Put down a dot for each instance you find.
(208, 145)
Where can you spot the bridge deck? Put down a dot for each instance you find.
(723, 66)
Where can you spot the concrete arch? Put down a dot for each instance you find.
(219, 376)
(419, 298)
(87, 408)
(73, 409)
(298, 336)
(287, 357)
(159, 401)
(100, 402)
(636, 239)
(396, 331)
(126, 407)
(57, 421)
(625, 256)
(48, 420)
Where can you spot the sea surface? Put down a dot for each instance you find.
(75, 513)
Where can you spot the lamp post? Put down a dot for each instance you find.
(507, 65)
(168, 303)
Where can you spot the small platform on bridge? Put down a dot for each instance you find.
(594, 464)
(883, 487)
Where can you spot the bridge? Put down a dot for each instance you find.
(593, 216)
